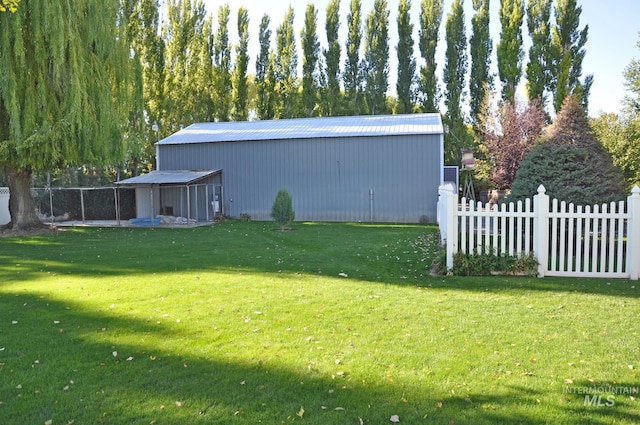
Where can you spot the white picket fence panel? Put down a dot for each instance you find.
(567, 240)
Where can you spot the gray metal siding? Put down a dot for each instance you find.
(330, 179)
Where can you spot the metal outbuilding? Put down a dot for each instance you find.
(382, 168)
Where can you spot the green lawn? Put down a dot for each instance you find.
(327, 324)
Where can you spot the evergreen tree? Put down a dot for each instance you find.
(265, 73)
(480, 81)
(454, 80)
(430, 19)
(222, 66)
(537, 71)
(405, 86)
(58, 92)
(376, 58)
(331, 95)
(240, 96)
(510, 51)
(310, 59)
(567, 45)
(286, 68)
(282, 209)
(353, 72)
(570, 162)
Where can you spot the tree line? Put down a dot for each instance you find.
(191, 72)
(102, 87)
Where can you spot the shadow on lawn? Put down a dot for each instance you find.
(381, 254)
(60, 363)
(65, 364)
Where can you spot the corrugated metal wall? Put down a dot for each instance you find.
(382, 178)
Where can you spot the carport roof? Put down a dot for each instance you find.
(305, 128)
(169, 177)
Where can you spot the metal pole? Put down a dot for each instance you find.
(50, 195)
(115, 200)
(188, 204)
(206, 200)
(82, 203)
(371, 205)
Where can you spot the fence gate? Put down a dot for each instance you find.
(568, 240)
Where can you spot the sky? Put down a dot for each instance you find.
(612, 44)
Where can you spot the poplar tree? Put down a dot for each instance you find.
(538, 71)
(430, 19)
(152, 50)
(310, 59)
(142, 35)
(455, 69)
(331, 95)
(405, 86)
(188, 67)
(510, 51)
(222, 66)
(240, 97)
(353, 72)
(376, 58)
(568, 52)
(480, 81)
(265, 78)
(286, 68)
(58, 92)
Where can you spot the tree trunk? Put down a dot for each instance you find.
(22, 207)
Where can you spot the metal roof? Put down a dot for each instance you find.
(304, 128)
(169, 177)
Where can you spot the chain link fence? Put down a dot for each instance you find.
(85, 203)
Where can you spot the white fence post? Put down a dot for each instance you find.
(448, 220)
(541, 229)
(633, 234)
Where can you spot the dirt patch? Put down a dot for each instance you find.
(36, 231)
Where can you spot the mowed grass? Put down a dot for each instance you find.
(327, 324)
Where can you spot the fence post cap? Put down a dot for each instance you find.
(635, 190)
(541, 190)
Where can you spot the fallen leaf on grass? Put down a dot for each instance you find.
(300, 412)
(394, 419)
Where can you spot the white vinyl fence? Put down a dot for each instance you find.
(567, 240)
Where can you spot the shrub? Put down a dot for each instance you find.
(486, 264)
(282, 210)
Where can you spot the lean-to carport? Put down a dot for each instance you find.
(193, 194)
